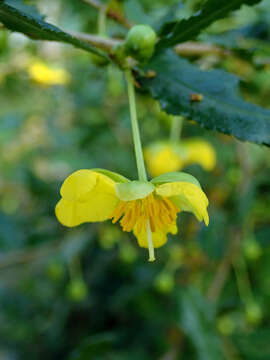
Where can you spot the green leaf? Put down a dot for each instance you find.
(112, 175)
(197, 321)
(175, 177)
(27, 9)
(179, 31)
(221, 108)
(134, 190)
(33, 26)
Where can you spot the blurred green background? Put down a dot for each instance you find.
(89, 292)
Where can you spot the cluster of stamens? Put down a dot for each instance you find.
(160, 212)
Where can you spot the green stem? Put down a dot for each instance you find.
(135, 127)
(242, 280)
(176, 128)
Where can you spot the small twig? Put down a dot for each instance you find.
(94, 3)
(100, 42)
(185, 49)
(192, 48)
(110, 13)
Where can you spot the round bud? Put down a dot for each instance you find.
(254, 313)
(252, 249)
(226, 325)
(140, 42)
(164, 282)
(77, 290)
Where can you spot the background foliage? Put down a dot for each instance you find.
(88, 292)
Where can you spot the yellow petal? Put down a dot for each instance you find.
(45, 75)
(161, 159)
(159, 238)
(200, 152)
(87, 197)
(69, 213)
(78, 185)
(188, 197)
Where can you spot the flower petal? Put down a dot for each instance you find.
(200, 152)
(188, 197)
(87, 197)
(161, 158)
(69, 213)
(159, 238)
(78, 185)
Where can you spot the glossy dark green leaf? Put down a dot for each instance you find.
(221, 108)
(197, 320)
(27, 9)
(33, 26)
(179, 31)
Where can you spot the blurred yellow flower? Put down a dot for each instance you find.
(200, 152)
(149, 209)
(44, 75)
(165, 157)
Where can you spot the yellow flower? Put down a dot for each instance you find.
(200, 152)
(45, 75)
(147, 208)
(165, 157)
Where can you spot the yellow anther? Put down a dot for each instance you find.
(161, 214)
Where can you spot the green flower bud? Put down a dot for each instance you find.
(254, 313)
(252, 249)
(140, 42)
(226, 325)
(164, 282)
(77, 290)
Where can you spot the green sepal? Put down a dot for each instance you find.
(175, 177)
(134, 190)
(112, 175)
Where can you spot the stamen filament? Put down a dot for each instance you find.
(150, 242)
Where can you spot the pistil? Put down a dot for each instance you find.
(150, 242)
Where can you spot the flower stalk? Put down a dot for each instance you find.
(138, 152)
(135, 127)
(176, 128)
